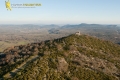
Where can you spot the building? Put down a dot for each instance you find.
(78, 33)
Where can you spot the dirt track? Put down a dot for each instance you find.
(14, 71)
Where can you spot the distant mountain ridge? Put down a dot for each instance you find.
(106, 32)
(87, 25)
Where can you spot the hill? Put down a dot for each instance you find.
(68, 58)
(106, 32)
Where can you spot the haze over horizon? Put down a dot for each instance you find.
(62, 12)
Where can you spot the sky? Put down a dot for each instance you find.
(62, 12)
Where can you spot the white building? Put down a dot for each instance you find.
(78, 33)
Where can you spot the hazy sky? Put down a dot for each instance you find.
(62, 12)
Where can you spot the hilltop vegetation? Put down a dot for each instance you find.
(68, 58)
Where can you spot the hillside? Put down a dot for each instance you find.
(68, 58)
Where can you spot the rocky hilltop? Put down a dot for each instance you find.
(75, 57)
